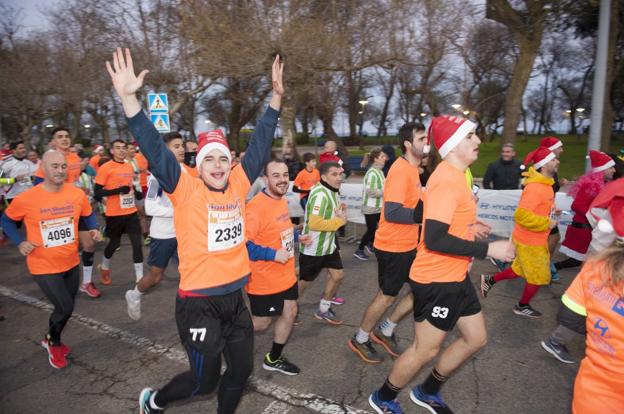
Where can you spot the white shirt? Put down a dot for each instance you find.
(12, 167)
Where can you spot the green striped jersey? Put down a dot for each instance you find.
(321, 202)
(373, 179)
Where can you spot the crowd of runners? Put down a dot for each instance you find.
(236, 247)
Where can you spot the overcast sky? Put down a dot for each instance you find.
(32, 11)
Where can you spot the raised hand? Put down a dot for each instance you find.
(277, 80)
(122, 73)
(126, 83)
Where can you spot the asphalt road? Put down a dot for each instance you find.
(114, 357)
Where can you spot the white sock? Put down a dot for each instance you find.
(87, 271)
(105, 263)
(136, 292)
(361, 336)
(324, 305)
(152, 402)
(138, 271)
(387, 327)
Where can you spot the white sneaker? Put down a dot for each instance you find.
(134, 305)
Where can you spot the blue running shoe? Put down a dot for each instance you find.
(554, 276)
(359, 254)
(384, 407)
(432, 402)
(144, 402)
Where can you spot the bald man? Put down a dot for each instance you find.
(51, 212)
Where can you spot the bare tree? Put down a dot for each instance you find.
(526, 23)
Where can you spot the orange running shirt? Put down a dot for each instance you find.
(73, 168)
(539, 199)
(210, 230)
(142, 163)
(305, 180)
(447, 199)
(599, 385)
(51, 220)
(94, 162)
(113, 175)
(403, 187)
(268, 224)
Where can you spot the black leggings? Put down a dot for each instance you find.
(130, 225)
(227, 330)
(136, 240)
(60, 289)
(372, 220)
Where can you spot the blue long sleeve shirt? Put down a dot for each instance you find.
(163, 165)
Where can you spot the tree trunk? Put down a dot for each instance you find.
(287, 120)
(608, 114)
(517, 86)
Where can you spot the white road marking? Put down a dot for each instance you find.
(276, 407)
(284, 395)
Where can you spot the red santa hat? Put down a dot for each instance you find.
(447, 131)
(210, 140)
(551, 143)
(538, 158)
(612, 199)
(600, 161)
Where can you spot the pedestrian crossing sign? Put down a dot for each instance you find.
(161, 122)
(158, 103)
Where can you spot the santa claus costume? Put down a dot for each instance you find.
(579, 232)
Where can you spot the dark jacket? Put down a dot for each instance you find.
(503, 175)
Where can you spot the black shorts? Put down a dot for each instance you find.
(442, 304)
(273, 304)
(206, 323)
(311, 266)
(118, 225)
(554, 230)
(161, 251)
(393, 270)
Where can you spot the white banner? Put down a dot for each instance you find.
(495, 207)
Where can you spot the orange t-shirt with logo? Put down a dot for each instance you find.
(447, 199)
(142, 164)
(51, 220)
(268, 224)
(305, 180)
(599, 385)
(402, 186)
(73, 168)
(113, 175)
(210, 229)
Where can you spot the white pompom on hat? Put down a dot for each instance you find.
(538, 158)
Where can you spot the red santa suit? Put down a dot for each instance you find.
(579, 233)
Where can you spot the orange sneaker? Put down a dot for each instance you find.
(105, 274)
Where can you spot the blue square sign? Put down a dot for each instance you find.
(157, 103)
(161, 122)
